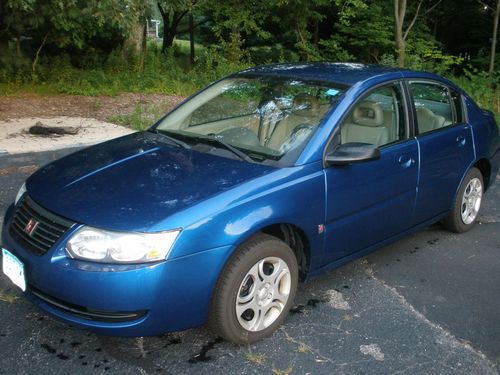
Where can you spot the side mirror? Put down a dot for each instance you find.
(352, 153)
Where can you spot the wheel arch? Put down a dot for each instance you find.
(289, 233)
(484, 167)
(298, 241)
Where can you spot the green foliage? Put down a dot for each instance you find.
(215, 63)
(70, 23)
(270, 54)
(81, 47)
(483, 88)
(115, 74)
(333, 51)
(236, 16)
(298, 15)
(366, 33)
(425, 54)
(141, 117)
(349, 9)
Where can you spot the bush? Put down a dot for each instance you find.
(483, 88)
(106, 75)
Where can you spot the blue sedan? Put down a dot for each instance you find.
(263, 179)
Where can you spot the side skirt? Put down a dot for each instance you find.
(340, 262)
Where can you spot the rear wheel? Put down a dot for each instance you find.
(467, 203)
(255, 291)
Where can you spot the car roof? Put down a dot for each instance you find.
(344, 73)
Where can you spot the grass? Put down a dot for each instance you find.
(288, 371)
(304, 349)
(11, 89)
(141, 118)
(94, 83)
(258, 359)
(184, 47)
(7, 297)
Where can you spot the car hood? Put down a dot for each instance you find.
(134, 182)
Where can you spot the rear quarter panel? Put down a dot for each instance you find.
(486, 135)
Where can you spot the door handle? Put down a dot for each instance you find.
(461, 140)
(406, 161)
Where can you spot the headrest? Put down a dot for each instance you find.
(424, 114)
(427, 120)
(368, 113)
(305, 105)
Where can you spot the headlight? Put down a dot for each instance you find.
(20, 193)
(118, 247)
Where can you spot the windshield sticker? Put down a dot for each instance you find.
(331, 92)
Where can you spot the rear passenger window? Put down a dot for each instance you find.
(432, 106)
(378, 118)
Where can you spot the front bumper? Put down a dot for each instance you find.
(120, 300)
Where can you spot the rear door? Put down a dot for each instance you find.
(445, 143)
(368, 202)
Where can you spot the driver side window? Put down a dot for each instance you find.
(377, 119)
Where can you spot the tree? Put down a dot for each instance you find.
(401, 34)
(65, 23)
(300, 16)
(173, 13)
(494, 38)
(366, 33)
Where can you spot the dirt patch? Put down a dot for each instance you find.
(15, 137)
(28, 169)
(336, 300)
(99, 107)
(372, 350)
(91, 116)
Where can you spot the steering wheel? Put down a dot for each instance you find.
(297, 137)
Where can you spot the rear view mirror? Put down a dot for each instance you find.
(352, 153)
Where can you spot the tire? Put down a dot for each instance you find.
(467, 203)
(247, 306)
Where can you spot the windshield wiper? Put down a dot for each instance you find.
(218, 139)
(172, 139)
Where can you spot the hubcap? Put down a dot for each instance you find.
(471, 201)
(263, 294)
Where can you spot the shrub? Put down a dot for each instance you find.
(483, 88)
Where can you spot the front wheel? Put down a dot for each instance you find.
(467, 203)
(255, 291)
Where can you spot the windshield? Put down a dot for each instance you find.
(267, 118)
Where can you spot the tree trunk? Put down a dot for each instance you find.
(134, 44)
(4, 29)
(168, 37)
(35, 61)
(191, 39)
(494, 39)
(170, 28)
(316, 33)
(144, 45)
(399, 17)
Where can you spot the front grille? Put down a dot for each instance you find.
(48, 227)
(85, 313)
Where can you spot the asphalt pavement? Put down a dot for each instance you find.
(428, 304)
